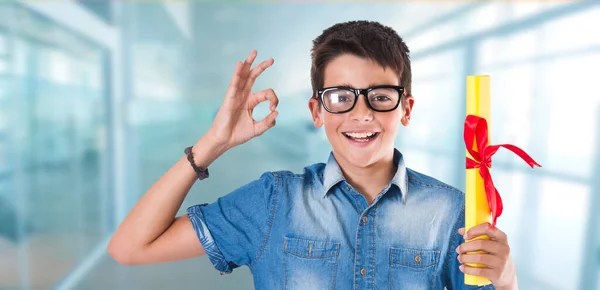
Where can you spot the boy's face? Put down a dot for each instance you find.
(360, 73)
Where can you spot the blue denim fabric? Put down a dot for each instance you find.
(314, 231)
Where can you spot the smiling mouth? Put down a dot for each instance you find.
(361, 137)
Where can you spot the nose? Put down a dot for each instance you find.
(361, 111)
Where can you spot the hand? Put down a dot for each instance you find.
(234, 124)
(499, 267)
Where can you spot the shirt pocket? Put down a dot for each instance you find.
(413, 269)
(309, 264)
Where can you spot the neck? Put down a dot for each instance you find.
(372, 179)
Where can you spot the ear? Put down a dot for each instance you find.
(315, 110)
(407, 106)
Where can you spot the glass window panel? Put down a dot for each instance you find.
(484, 17)
(55, 191)
(3, 44)
(574, 111)
(416, 159)
(19, 57)
(521, 45)
(571, 32)
(4, 86)
(522, 10)
(511, 90)
(560, 232)
(511, 186)
(3, 67)
(435, 104)
(429, 66)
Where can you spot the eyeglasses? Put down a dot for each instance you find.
(338, 100)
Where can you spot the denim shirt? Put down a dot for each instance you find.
(315, 231)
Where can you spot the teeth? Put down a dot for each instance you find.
(360, 135)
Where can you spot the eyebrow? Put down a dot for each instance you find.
(370, 85)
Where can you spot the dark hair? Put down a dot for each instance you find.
(367, 39)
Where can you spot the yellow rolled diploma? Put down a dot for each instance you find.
(476, 206)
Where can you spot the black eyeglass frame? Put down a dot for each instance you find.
(357, 93)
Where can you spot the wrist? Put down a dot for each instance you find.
(216, 140)
(511, 286)
(207, 150)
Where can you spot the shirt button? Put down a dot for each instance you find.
(347, 187)
(418, 259)
(363, 271)
(365, 220)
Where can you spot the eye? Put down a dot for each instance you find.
(381, 98)
(339, 99)
(340, 96)
(343, 99)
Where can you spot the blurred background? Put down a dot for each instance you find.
(99, 99)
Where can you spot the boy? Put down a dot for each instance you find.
(361, 221)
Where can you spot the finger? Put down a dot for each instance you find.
(461, 231)
(481, 272)
(249, 60)
(265, 124)
(259, 69)
(491, 261)
(488, 246)
(486, 229)
(246, 69)
(262, 96)
(235, 80)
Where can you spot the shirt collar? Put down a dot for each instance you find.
(332, 174)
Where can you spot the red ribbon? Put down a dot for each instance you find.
(476, 127)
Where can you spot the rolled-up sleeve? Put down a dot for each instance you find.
(234, 229)
(206, 239)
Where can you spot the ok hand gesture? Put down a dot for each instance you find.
(234, 124)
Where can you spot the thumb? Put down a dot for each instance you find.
(265, 124)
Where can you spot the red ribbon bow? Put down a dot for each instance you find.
(476, 127)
